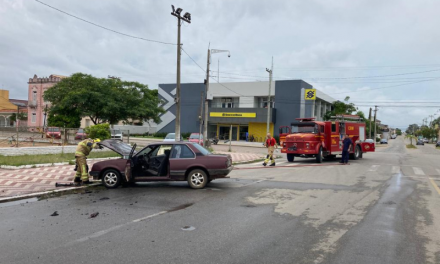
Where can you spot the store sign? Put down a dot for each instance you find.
(229, 114)
(310, 94)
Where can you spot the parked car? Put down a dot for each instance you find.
(438, 144)
(420, 142)
(170, 137)
(194, 137)
(80, 134)
(116, 134)
(384, 141)
(425, 140)
(53, 132)
(164, 161)
(393, 136)
(370, 140)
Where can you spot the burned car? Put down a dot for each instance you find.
(163, 161)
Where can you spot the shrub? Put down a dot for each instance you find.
(160, 134)
(186, 135)
(101, 131)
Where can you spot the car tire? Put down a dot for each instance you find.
(357, 153)
(111, 178)
(290, 157)
(319, 155)
(197, 179)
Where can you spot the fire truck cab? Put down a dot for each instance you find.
(323, 139)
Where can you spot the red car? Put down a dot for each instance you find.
(163, 161)
(53, 132)
(194, 137)
(80, 135)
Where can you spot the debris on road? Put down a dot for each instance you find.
(104, 198)
(94, 215)
(55, 213)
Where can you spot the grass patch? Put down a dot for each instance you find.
(437, 148)
(50, 158)
(410, 146)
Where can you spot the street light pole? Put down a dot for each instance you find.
(185, 18)
(268, 97)
(205, 125)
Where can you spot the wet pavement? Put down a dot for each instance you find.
(379, 209)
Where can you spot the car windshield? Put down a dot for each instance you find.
(80, 130)
(54, 129)
(170, 136)
(305, 128)
(195, 136)
(114, 131)
(201, 149)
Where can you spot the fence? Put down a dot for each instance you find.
(39, 136)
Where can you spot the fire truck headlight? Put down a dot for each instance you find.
(307, 145)
(284, 144)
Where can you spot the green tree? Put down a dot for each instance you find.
(64, 119)
(412, 129)
(410, 137)
(398, 131)
(341, 108)
(103, 100)
(21, 116)
(101, 131)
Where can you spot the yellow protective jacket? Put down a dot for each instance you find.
(84, 147)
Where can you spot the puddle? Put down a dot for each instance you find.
(30, 200)
(188, 228)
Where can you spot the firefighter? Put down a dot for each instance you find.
(82, 151)
(270, 144)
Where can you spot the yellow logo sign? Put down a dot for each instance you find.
(228, 114)
(310, 94)
(350, 128)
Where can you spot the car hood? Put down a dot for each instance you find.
(118, 146)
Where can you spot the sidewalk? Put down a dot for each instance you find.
(15, 182)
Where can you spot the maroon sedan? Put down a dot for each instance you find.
(164, 161)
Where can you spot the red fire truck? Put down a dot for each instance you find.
(308, 138)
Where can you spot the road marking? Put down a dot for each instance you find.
(374, 168)
(150, 216)
(435, 186)
(396, 169)
(418, 171)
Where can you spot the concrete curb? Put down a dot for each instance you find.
(8, 167)
(33, 195)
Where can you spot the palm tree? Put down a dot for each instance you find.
(410, 137)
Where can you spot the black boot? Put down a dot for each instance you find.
(273, 164)
(86, 182)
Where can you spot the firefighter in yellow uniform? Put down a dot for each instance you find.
(82, 151)
(270, 144)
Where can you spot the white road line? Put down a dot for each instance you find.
(418, 171)
(395, 169)
(113, 228)
(374, 168)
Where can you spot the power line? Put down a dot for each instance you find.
(193, 60)
(109, 29)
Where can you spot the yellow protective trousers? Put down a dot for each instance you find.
(82, 168)
(269, 156)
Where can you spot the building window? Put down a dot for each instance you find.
(34, 118)
(227, 103)
(262, 102)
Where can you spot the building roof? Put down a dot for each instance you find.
(18, 101)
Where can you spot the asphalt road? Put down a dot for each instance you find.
(380, 209)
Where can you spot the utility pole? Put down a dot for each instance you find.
(268, 97)
(201, 117)
(205, 120)
(430, 124)
(375, 113)
(44, 121)
(205, 127)
(369, 120)
(185, 18)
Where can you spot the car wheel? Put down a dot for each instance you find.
(357, 153)
(319, 155)
(111, 178)
(290, 157)
(197, 179)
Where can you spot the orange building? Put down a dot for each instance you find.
(8, 107)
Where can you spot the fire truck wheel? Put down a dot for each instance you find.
(357, 153)
(319, 155)
(290, 157)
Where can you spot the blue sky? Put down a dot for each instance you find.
(376, 52)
